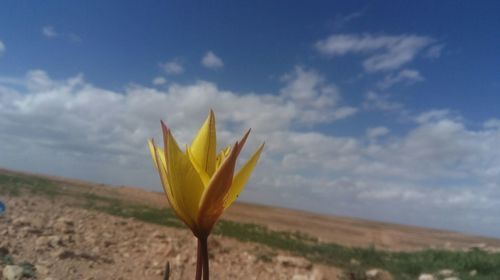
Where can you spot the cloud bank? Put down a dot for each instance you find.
(440, 171)
(383, 52)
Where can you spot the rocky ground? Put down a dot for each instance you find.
(49, 233)
(59, 242)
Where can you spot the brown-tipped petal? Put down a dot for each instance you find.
(212, 200)
(241, 178)
(165, 130)
(243, 141)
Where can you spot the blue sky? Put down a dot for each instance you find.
(382, 110)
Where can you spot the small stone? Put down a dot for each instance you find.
(158, 234)
(426, 276)
(300, 277)
(473, 273)
(445, 272)
(41, 243)
(41, 269)
(288, 261)
(64, 225)
(372, 273)
(377, 274)
(20, 222)
(54, 241)
(63, 254)
(12, 272)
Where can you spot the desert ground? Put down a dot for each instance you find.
(52, 236)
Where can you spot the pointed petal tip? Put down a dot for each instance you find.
(211, 114)
(247, 133)
(163, 125)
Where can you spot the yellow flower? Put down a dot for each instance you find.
(199, 183)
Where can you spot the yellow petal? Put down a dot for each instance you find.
(159, 160)
(223, 154)
(212, 200)
(203, 174)
(242, 177)
(183, 179)
(152, 151)
(204, 145)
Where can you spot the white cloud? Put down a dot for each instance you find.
(310, 92)
(2, 48)
(159, 81)
(342, 20)
(438, 170)
(433, 115)
(49, 31)
(384, 52)
(376, 132)
(381, 102)
(492, 123)
(173, 67)
(212, 61)
(435, 51)
(407, 76)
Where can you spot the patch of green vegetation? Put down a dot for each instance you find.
(402, 265)
(6, 259)
(13, 185)
(140, 212)
(28, 269)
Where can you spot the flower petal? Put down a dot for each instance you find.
(160, 165)
(243, 141)
(212, 200)
(183, 179)
(203, 174)
(152, 151)
(223, 154)
(204, 145)
(242, 177)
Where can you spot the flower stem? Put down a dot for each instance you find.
(199, 261)
(204, 253)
